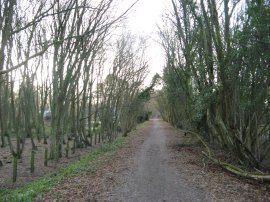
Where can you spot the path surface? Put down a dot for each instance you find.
(156, 166)
(152, 177)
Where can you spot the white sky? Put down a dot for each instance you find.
(143, 20)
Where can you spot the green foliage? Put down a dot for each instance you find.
(216, 77)
(144, 116)
(145, 94)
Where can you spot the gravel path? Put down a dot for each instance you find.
(152, 177)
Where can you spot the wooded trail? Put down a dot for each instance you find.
(152, 177)
(159, 163)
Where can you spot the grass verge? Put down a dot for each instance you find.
(86, 164)
(30, 191)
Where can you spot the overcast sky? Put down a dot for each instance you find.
(143, 20)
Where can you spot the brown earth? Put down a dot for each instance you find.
(23, 169)
(152, 150)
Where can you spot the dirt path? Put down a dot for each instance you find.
(153, 177)
(158, 164)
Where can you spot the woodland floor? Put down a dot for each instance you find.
(23, 171)
(157, 165)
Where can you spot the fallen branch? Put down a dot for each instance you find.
(229, 167)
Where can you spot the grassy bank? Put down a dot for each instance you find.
(44, 184)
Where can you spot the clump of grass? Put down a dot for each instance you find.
(30, 191)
